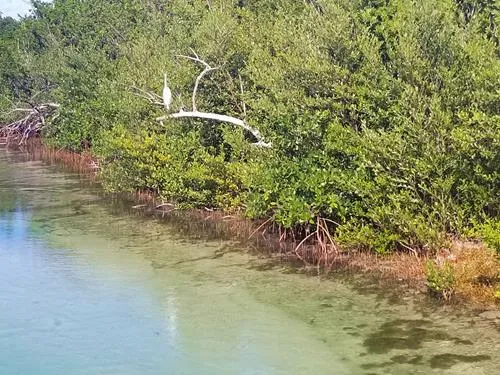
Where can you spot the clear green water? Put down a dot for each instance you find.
(86, 288)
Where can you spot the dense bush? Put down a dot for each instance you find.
(383, 114)
(440, 278)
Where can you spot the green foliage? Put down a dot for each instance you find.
(177, 167)
(489, 232)
(440, 278)
(383, 114)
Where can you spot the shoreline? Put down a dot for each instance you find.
(404, 271)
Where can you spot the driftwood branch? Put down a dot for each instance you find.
(222, 118)
(29, 125)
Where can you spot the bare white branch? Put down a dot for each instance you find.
(222, 118)
(207, 68)
(244, 106)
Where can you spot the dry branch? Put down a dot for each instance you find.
(29, 125)
(207, 69)
(221, 118)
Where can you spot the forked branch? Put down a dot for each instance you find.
(207, 69)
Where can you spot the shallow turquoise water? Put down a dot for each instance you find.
(86, 288)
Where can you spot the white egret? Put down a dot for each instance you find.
(167, 94)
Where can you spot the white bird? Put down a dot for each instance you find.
(167, 94)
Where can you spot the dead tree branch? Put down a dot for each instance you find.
(243, 105)
(221, 118)
(29, 125)
(207, 69)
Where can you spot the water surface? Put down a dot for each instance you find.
(86, 288)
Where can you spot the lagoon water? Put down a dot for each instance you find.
(89, 288)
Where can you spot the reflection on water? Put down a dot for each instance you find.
(88, 289)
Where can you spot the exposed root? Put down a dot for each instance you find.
(322, 251)
(83, 163)
(260, 226)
